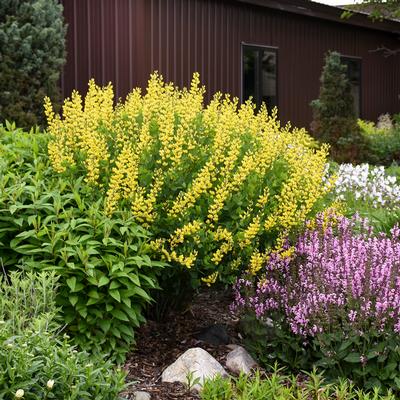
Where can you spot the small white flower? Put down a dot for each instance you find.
(19, 394)
(50, 384)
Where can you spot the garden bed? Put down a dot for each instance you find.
(160, 343)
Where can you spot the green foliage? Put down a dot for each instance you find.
(35, 358)
(32, 41)
(28, 301)
(50, 223)
(279, 386)
(334, 119)
(381, 145)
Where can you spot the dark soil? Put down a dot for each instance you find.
(159, 344)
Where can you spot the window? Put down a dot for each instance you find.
(259, 75)
(354, 76)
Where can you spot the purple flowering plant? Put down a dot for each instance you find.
(335, 303)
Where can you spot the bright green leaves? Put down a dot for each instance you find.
(48, 222)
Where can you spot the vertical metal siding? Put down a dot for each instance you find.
(123, 41)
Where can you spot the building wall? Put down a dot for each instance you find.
(123, 41)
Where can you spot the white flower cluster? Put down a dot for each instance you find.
(369, 184)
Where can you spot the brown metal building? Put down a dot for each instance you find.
(270, 49)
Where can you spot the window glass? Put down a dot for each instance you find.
(260, 75)
(268, 66)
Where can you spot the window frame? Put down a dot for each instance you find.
(359, 62)
(259, 47)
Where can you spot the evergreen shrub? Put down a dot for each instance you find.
(334, 118)
(32, 43)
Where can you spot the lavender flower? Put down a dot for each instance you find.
(340, 277)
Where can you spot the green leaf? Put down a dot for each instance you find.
(119, 314)
(71, 282)
(115, 294)
(105, 325)
(353, 358)
(114, 285)
(103, 281)
(73, 299)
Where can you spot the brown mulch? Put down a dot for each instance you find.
(159, 344)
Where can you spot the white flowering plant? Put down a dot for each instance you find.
(369, 184)
(371, 191)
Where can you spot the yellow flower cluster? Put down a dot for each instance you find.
(208, 181)
(222, 234)
(82, 130)
(210, 279)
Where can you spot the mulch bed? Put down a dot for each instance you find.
(159, 344)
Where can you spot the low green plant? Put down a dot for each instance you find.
(280, 386)
(37, 361)
(50, 223)
(381, 144)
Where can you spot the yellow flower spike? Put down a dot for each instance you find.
(257, 261)
(182, 168)
(210, 279)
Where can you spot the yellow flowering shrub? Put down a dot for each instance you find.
(218, 185)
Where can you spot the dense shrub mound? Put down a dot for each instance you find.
(49, 222)
(335, 302)
(216, 186)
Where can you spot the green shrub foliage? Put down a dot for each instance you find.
(32, 42)
(381, 144)
(334, 119)
(50, 223)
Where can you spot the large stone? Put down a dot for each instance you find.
(196, 362)
(239, 360)
(140, 395)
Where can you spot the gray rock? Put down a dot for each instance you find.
(239, 360)
(197, 362)
(214, 334)
(139, 395)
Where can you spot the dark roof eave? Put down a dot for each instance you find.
(324, 11)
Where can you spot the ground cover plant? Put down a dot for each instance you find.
(216, 186)
(48, 222)
(333, 303)
(381, 140)
(37, 360)
(280, 386)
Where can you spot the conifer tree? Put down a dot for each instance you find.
(32, 53)
(334, 117)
